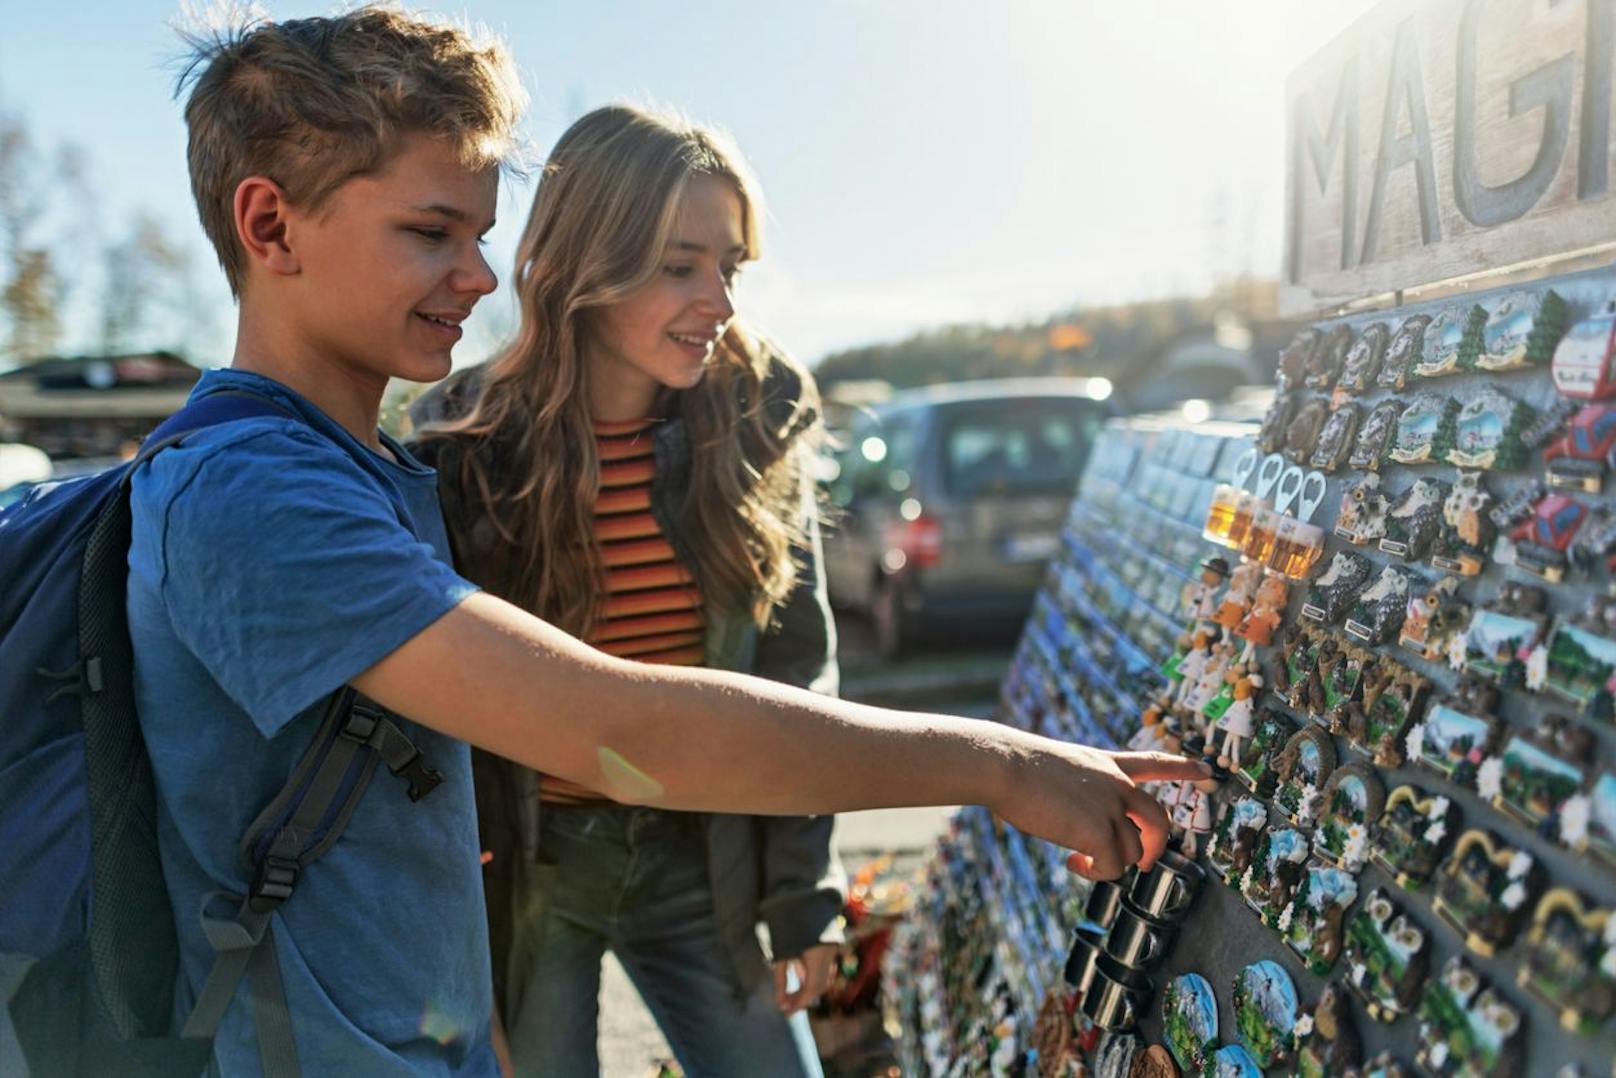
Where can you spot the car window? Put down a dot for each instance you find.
(878, 461)
(1019, 446)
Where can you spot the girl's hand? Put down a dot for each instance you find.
(813, 969)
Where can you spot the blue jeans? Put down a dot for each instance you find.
(634, 881)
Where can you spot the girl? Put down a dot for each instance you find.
(636, 469)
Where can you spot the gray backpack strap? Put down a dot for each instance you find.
(298, 826)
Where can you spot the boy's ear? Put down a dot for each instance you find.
(261, 211)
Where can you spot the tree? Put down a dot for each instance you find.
(144, 271)
(31, 290)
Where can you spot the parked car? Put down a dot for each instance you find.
(949, 501)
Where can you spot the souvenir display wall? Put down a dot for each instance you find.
(1386, 616)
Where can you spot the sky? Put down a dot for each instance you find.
(924, 162)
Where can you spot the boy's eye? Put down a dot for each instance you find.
(432, 235)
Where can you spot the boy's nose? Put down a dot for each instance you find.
(475, 276)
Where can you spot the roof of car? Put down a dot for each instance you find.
(992, 389)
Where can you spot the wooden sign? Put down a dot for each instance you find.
(1438, 139)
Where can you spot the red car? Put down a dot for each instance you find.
(1542, 539)
(1582, 362)
(1578, 457)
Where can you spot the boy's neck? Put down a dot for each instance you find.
(351, 398)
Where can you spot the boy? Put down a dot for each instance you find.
(344, 169)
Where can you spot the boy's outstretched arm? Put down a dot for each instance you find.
(686, 738)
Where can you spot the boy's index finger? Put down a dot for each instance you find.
(1160, 767)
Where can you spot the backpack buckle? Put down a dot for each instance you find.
(422, 777)
(276, 878)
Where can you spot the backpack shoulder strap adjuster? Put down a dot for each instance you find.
(277, 876)
(369, 725)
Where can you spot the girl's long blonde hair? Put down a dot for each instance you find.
(523, 459)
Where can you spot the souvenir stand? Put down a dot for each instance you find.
(1386, 614)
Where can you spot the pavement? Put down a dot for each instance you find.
(960, 678)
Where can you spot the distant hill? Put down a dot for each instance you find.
(1125, 343)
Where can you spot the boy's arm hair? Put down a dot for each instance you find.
(696, 739)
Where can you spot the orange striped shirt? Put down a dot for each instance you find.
(651, 607)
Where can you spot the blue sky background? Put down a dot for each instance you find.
(923, 162)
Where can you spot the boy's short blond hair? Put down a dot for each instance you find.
(311, 103)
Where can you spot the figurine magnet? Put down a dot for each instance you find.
(1485, 890)
(1302, 769)
(1502, 635)
(1333, 594)
(1314, 924)
(1199, 598)
(1362, 363)
(1323, 367)
(1467, 1028)
(1295, 356)
(1379, 611)
(1265, 1007)
(1267, 609)
(1466, 533)
(1361, 518)
(1543, 540)
(1335, 440)
(1273, 730)
(1433, 619)
(1244, 580)
(1570, 960)
(1378, 724)
(1414, 835)
(1538, 771)
(1387, 956)
(1424, 429)
(1588, 821)
(1190, 1022)
(1584, 364)
(1414, 519)
(1522, 330)
(1271, 435)
(1275, 873)
(1457, 734)
(1302, 433)
(1487, 431)
(1327, 1041)
(1578, 661)
(1375, 436)
(1452, 341)
(1407, 345)
(1352, 802)
(1235, 839)
(1578, 459)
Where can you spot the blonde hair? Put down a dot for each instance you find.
(311, 103)
(524, 458)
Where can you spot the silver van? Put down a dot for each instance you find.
(948, 501)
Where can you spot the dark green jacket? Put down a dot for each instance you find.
(780, 871)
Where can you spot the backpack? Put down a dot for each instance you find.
(88, 951)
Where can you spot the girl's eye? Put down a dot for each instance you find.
(678, 271)
(431, 235)
(731, 273)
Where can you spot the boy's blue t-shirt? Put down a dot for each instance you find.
(271, 561)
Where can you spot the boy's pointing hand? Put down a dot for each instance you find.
(1087, 800)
